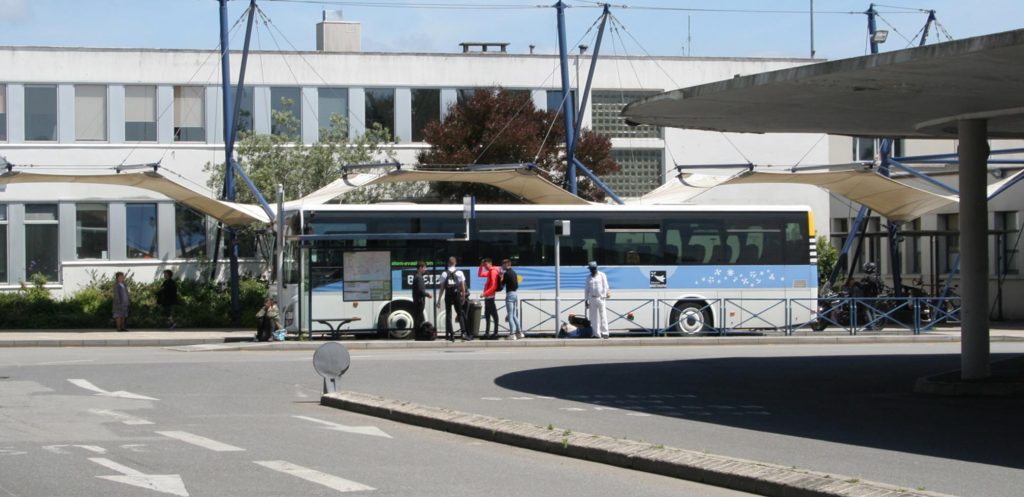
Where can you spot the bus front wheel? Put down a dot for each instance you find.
(689, 318)
(396, 321)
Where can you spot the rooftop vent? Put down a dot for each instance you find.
(484, 47)
(333, 34)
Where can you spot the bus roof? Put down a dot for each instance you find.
(401, 207)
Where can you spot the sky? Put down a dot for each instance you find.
(419, 26)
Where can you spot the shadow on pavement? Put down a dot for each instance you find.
(858, 400)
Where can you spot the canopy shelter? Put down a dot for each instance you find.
(893, 199)
(229, 213)
(966, 89)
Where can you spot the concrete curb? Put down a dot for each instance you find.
(738, 474)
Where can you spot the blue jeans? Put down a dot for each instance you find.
(512, 310)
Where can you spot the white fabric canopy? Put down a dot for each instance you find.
(890, 198)
(229, 213)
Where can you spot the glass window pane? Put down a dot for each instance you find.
(555, 100)
(141, 230)
(3, 212)
(426, 108)
(641, 170)
(40, 212)
(332, 102)
(91, 113)
(140, 113)
(606, 111)
(380, 108)
(464, 94)
(40, 113)
(3, 116)
(286, 109)
(188, 113)
(245, 109)
(41, 250)
(189, 232)
(91, 231)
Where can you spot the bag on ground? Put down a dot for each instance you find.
(426, 332)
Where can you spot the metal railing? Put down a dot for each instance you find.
(661, 317)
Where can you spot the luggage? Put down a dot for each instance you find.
(579, 321)
(426, 332)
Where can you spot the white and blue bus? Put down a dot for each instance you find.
(671, 269)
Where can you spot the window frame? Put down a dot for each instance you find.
(103, 126)
(56, 113)
(53, 223)
(154, 123)
(105, 229)
(184, 134)
(156, 230)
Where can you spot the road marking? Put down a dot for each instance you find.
(56, 363)
(121, 394)
(199, 441)
(56, 449)
(572, 409)
(134, 447)
(168, 484)
(310, 475)
(638, 414)
(372, 431)
(520, 398)
(11, 451)
(490, 398)
(127, 419)
(92, 448)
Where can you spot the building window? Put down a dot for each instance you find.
(332, 105)
(91, 231)
(141, 231)
(189, 232)
(91, 113)
(463, 95)
(245, 109)
(607, 120)
(286, 111)
(949, 241)
(3, 243)
(41, 241)
(641, 170)
(1007, 235)
(866, 148)
(188, 114)
(140, 113)
(41, 113)
(426, 108)
(380, 108)
(3, 115)
(555, 100)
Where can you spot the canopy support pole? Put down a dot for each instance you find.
(974, 343)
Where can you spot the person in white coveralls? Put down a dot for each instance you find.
(595, 294)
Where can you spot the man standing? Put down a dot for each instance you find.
(510, 282)
(487, 270)
(595, 294)
(453, 287)
(121, 301)
(419, 296)
(167, 297)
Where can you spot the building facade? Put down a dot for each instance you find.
(86, 110)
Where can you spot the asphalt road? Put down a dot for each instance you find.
(138, 422)
(846, 409)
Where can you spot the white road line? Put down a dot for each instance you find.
(490, 398)
(57, 363)
(572, 409)
(121, 394)
(92, 448)
(168, 484)
(310, 475)
(372, 431)
(127, 419)
(199, 441)
(638, 414)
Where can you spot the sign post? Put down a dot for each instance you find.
(561, 229)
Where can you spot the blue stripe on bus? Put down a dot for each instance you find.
(648, 277)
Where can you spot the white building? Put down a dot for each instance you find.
(65, 109)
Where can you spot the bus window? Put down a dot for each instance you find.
(797, 250)
(632, 244)
(508, 238)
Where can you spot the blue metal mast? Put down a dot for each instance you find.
(229, 173)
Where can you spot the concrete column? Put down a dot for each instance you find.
(449, 96)
(310, 114)
(66, 113)
(115, 113)
(213, 120)
(67, 231)
(261, 109)
(974, 343)
(356, 112)
(117, 231)
(165, 114)
(15, 118)
(165, 225)
(16, 242)
(403, 115)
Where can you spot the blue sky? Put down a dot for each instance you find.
(194, 24)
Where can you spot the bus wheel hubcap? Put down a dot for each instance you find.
(691, 321)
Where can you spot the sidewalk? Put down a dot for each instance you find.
(228, 339)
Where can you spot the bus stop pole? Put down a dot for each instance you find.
(558, 283)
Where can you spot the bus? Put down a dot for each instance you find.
(684, 269)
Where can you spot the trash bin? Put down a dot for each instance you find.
(473, 316)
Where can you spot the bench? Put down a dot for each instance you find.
(335, 325)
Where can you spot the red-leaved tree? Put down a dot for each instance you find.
(500, 126)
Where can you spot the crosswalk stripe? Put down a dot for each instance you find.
(199, 441)
(314, 476)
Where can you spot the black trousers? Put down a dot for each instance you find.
(453, 306)
(417, 314)
(490, 312)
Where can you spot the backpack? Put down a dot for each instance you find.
(426, 332)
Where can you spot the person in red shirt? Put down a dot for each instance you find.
(487, 270)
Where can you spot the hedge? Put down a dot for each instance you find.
(201, 304)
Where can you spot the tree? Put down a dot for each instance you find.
(302, 169)
(500, 126)
(827, 258)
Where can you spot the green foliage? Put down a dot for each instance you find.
(827, 258)
(200, 305)
(300, 168)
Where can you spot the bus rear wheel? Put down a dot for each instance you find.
(396, 321)
(689, 318)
